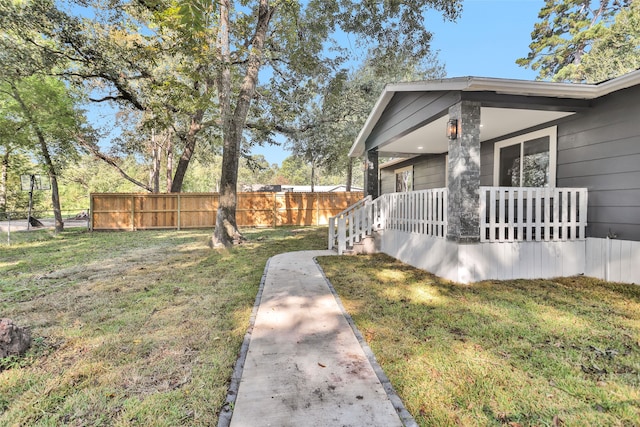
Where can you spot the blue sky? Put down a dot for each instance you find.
(484, 42)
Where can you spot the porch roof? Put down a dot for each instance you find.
(409, 118)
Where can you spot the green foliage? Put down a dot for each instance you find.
(335, 114)
(295, 171)
(47, 106)
(565, 34)
(230, 74)
(89, 175)
(617, 51)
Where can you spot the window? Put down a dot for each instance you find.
(404, 179)
(527, 160)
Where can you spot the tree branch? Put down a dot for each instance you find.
(109, 160)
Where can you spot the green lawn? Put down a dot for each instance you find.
(144, 329)
(516, 353)
(129, 328)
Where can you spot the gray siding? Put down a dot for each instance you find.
(428, 172)
(387, 181)
(408, 111)
(486, 164)
(600, 149)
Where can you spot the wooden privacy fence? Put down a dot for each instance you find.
(118, 211)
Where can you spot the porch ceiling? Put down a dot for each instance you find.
(495, 122)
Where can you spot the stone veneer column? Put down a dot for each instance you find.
(464, 174)
(371, 174)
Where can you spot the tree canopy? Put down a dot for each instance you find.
(226, 74)
(584, 40)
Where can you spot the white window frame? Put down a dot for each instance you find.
(551, 132)
(401, 170)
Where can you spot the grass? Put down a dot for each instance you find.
(129, 328)
(517, 353)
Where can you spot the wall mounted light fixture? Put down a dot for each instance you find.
(452, 129)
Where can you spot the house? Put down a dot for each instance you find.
(502, 179)
(277, 188)
(319, 188)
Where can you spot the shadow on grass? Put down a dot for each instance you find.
(140, 328)
(524, 352)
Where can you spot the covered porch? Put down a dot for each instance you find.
(524, 232)
(475, 195)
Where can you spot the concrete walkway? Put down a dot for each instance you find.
(304, 365)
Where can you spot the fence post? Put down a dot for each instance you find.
(178, 196)
(133, 213)
(275, 209)
(90, 212)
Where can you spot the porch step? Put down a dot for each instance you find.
(367, 246)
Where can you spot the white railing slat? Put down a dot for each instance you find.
(532, 214)
(506, 214)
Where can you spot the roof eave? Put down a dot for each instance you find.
(357, 149)
(497, 85)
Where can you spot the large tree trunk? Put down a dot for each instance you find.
(349, 174)
(154, 173)
(313, 176)
(169, 163)
(53, 176)
(189, 148)
(4, 177)
(226, 231)
(51, 169)
(55, 199)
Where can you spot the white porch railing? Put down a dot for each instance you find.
(421, 212)
(509, 214)
(350, 225)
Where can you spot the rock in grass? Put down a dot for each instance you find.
(14, 340)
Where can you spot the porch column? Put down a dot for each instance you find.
(463, 210)
(371, 174)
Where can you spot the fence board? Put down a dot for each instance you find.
(198, 210)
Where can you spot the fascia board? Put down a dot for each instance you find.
(522, 87)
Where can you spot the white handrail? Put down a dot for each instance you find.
(350, 226)
(422, 212)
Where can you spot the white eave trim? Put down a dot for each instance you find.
(521, 87)
(487, 84)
